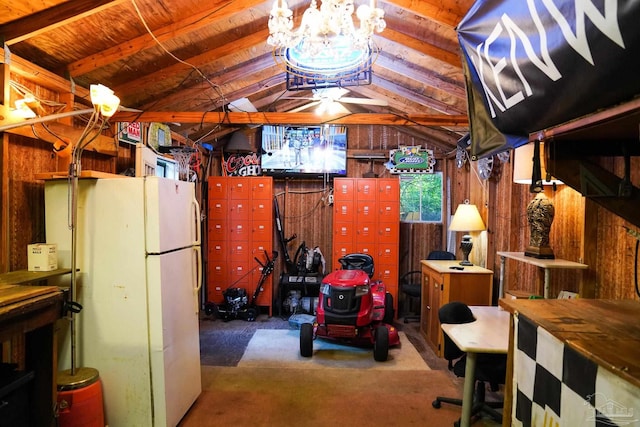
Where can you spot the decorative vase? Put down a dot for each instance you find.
(540, 212)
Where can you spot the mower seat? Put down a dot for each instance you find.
(362, 262)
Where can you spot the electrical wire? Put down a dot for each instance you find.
(214, 86)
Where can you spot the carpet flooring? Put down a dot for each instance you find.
(301, 397)
(239, 394)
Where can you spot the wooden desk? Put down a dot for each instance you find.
(29, 313)
(605, 338)
(546, 264)
(473, 286)
(488, 334)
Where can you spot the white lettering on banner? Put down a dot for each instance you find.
(608, 24)
(491, 83)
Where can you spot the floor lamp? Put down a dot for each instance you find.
(466, 219)
(74, 379)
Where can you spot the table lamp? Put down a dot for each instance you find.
(466, 219)
(529, 168)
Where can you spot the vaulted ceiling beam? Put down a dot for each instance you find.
(292, 118)
(420, 46)
(425, 77)
(49, 19)
(220, 9)
(446, 12)
(217, 57)
(384, 80)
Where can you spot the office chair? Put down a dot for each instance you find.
(411, 283)
(490, 368)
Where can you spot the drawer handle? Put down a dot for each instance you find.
(428, 307)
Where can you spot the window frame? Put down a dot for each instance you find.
(406, 176)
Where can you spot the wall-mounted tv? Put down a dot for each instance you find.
(304, 151)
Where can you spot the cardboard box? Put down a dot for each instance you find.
(567, 295)
(42, 257)
(516, 294)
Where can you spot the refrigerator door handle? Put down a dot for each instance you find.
(198, 283)
(198, 221)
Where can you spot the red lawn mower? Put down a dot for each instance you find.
(353, 309)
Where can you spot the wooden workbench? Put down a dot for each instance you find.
(27, 317)
(20, 277)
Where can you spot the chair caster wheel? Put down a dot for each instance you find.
(436, 404)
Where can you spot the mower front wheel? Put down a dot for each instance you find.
(381, 344)
(306, 340)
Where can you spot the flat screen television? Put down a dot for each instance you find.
(304, 151)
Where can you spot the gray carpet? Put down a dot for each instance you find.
(280, 348)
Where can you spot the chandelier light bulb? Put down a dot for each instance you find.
(326, 27)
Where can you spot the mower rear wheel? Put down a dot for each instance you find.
(306, 340)
(381, 344)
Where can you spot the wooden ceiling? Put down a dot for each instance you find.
(177, 59)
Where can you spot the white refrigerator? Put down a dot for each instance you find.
(138, 255)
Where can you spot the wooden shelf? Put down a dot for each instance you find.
(546, 264)
(83, 174)
(19, 277)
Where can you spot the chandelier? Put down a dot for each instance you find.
(327, 37)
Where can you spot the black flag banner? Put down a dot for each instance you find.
(533, 64)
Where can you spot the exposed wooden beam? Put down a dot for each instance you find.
(443, 11)
(425, 77)
(204, 97)
(55, 17)
(102, 144)
(422, 47)
(40, 76)
(292, 118)
(387, 83)
(208, 59)
(221, 9)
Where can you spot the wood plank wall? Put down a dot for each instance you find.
(581, 229)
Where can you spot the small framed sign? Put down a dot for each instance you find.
(159, 136)
(411, 159)
(130, 133)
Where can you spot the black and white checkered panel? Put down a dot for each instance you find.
(555, 386)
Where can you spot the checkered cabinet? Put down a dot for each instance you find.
(555, 386)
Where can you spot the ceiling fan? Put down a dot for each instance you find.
(333, 95)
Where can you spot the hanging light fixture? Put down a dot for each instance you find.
(327, 40)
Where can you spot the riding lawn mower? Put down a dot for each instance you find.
(353, 309)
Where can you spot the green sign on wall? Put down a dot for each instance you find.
(411, 160)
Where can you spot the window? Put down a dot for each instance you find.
(421, 197)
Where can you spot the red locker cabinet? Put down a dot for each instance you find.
(366, 219)
(240, 225)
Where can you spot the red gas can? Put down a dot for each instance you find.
(80, 399)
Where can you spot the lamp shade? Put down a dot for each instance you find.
(239, 141)
(466, 218)
(523, 165)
